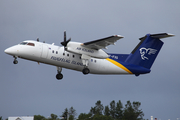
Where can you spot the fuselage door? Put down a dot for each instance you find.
(44, 51)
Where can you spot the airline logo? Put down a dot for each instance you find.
(145, 52)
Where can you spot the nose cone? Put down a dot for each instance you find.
(11, 51)
(7, 51)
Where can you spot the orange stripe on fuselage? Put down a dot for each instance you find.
(119, 65)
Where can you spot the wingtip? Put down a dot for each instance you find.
(120, 36)
(170, 35)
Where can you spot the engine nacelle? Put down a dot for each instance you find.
(76, 47)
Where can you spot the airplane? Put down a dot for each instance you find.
(89, 57)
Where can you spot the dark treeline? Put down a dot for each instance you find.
(113, 111)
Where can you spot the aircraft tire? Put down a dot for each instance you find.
(85, 71)
(59, 76)
(15, 62)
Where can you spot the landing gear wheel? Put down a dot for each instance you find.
(15, 62)
(85, 71)
(59, 76)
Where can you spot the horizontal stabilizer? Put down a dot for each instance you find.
(161, 35)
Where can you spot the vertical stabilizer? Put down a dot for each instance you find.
(145, 53)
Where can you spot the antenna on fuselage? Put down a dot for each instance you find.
(38, 39)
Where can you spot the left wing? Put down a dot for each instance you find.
(102, 43)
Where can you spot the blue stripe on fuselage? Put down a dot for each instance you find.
(119, 57)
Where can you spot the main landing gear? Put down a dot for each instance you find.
(59, 76)
(15, 60)
(85, 61)
(85, 71)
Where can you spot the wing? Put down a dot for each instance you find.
(102, 43)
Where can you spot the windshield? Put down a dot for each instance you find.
(27, 43)
(23, 43)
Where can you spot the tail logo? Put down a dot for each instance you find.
(145, 52)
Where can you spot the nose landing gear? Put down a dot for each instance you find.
(59, 76)
(15, 60)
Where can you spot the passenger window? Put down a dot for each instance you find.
(31, 44)
(73, 56)
(67, 54)
(56, 52)
(53, 51)
(63, 53)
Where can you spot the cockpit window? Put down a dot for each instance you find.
(26, 43)
(23, 43)
(31, 44)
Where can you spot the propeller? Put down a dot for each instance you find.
(65, 42)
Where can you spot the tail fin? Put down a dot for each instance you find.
(145, 53)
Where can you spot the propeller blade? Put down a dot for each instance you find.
(68, 40)
(64, 43)
(64, 36)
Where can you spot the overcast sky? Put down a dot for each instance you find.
(31, 89)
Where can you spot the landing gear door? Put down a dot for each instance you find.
(44, 51)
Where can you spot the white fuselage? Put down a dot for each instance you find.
(57, 56)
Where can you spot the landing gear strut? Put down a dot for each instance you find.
(85, 61)
(15, 60)
(59, 76)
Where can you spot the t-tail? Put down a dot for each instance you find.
(145, 53)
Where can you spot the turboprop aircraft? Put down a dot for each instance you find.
(89, 57)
